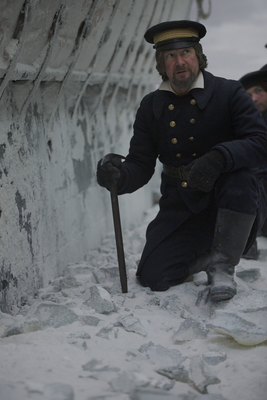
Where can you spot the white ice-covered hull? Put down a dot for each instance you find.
(72, 74)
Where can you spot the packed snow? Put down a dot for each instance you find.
(81, 338)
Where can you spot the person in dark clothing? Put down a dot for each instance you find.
(211, 140)
(255, 84)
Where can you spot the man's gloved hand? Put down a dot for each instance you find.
(109, 171)
(203, 172)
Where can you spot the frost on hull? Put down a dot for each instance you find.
(72, 74)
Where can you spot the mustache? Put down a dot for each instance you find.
(179, 68)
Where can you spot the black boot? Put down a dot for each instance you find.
(232, 230)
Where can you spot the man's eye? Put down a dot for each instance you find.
(169, 55)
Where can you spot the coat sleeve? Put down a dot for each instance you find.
(249, 147)
(139, 165)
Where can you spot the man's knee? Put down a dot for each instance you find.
(238, 191)
(162, 280)
(157, 285)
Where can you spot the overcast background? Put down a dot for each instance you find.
(236, 36)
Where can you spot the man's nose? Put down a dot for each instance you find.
(179, 60)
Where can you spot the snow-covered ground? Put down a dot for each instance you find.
(82, 339)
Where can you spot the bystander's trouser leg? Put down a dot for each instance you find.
(253, 252)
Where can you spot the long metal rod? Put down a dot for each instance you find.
(118, 237)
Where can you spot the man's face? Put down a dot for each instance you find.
(182, 68)
(259, 96)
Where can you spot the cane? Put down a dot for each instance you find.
(118, 236)
(118, 233)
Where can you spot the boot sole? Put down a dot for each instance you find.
(221, 293)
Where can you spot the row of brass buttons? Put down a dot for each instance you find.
(179, 155)
(192, 102)
(173, 123)
(175, 141)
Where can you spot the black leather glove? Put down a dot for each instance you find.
(109, 171)
(203, 172)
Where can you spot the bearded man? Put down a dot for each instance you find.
(211, 140)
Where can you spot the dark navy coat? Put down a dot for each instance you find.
(177, 130)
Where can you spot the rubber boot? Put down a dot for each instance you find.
(232, 230)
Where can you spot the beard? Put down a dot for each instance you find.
(183, 83)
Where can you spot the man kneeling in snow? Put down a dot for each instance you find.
(211, 140)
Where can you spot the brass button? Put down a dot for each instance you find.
(172, 124)
(178, 155)
(184, 184)
(191, 138)
(174, 140)
(194, 154)
(192, 121)
(171, 107)
(193, 102)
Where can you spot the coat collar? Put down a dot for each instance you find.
(202, 96)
